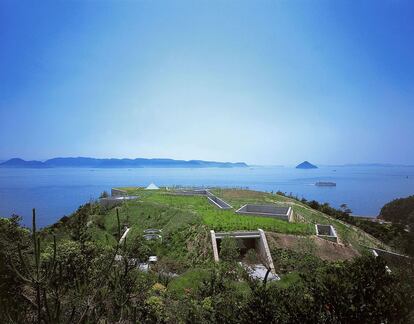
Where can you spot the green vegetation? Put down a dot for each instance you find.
(227, 220)
(305, 214)
(220, 220)
(186, 221)
(67, 272)
(289, 280)
(189, 281)
(399, 211)
(400, 233)
(289, 261)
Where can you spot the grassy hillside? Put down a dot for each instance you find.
(185, 284)
(185, 222)
(227, 220)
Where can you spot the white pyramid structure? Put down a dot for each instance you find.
(152, 186)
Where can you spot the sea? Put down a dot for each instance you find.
(57, 192)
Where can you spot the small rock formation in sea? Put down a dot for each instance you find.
(306, 165)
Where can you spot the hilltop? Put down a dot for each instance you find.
(86, 162)
(190, 218)
(186, 222)
(20, 163)
(151, 259)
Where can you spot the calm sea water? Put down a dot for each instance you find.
(58, 192)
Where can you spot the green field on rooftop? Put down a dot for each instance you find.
(186, 222)
(216, 219)
(228, 220)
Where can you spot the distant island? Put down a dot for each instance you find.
(325, 184)
(306, 165)
(385, 165)
(85, 162)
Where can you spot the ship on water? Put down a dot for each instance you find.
(325, 184)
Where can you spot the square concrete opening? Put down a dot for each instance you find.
(281, 212)
(255, 240)
(245, 244)
(327, 232)
(218, 202)
(152, 231)
(150, 237)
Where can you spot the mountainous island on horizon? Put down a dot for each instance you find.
(86, 162)
(306, 165)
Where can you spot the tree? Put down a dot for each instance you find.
(229, 249)
(12, 302)
(104, 194)
(399, 211)
(38, 277)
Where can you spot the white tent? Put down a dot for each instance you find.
(152, 186)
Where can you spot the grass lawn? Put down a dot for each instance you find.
(226, 220)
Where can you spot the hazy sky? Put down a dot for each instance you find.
(265, 82)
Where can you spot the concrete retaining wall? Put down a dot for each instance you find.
(118, 193)
(261, 246)
(218, 202)
(392, 256)
(192, 192)
(214, 244)
(274, 211)
(110, 202)
(265, 251)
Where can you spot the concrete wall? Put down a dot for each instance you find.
(118, 193)
(391, 256)
(270, 209)
(219, 203)
(291, 215)
(265, 251)
(214, 245)
(284, 213)
(192, 192)
(261, 246)
(216, 201)
(109, 202)
(326, 232)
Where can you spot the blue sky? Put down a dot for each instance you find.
(266, 82)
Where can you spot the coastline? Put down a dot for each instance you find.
(57, 192)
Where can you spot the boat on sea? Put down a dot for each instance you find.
(325, 184)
